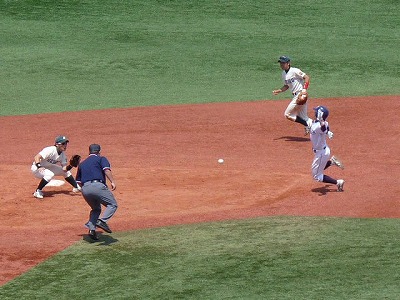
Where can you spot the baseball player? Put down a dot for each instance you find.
(297, 81)
(318, 133)
(50, 162)
(91, 175)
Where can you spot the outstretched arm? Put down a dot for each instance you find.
(282, 89)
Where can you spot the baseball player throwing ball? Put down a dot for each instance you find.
(318, 133)
(297, 81)
(52, 161)
(92, 174)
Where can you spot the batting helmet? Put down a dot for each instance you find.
(321, 111)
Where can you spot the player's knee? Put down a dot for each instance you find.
(113, 206)
(318, 177)
(48, 178)
(48, 175)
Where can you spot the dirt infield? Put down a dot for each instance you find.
(164, 160)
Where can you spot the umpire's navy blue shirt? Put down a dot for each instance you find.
(92, 168)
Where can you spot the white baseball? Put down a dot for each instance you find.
(221, 161)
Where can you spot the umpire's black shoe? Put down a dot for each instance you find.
(93, 235)
(103, 225)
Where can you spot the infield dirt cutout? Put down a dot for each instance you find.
(164, 160)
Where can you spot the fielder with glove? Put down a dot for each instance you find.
(51, 161)
(297, 81)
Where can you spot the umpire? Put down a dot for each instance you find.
(91, 175)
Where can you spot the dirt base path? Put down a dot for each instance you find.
(165, 162)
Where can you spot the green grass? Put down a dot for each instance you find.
(263, 258)
(73, 55)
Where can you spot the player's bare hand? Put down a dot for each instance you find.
(276, 92)
(113, 186)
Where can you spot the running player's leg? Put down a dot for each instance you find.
(292, 114)
(303, 114)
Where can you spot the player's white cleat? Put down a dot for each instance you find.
(77, 190)
(335, 161)
(340, 184)
(307, 130)
(38, 194)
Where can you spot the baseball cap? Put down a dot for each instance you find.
(284, 59)
(94, 148)
(61, 139)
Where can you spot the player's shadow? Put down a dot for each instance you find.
(293, 139)
(323, 190)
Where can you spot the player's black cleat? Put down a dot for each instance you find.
(103, 225)
(93, 235)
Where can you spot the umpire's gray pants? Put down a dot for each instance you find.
(97, 194)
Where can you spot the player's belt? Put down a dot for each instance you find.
(93, 181)
(315, 150)
(294, 94)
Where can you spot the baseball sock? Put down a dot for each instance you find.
(301, 121)
(328, 179)
(328, 164)
(70, 179)
(42, 184)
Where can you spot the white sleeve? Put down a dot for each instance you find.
(46, 152)
(299, 73)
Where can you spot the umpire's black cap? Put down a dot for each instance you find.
(284, 59)
(94, 148)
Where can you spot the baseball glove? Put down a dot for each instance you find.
(302, 97)
(75, 160)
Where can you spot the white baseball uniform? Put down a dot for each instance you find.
(320, 148)
(294, 79)
(51, 163)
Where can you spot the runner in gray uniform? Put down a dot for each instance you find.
(318, 133)
(91, 175)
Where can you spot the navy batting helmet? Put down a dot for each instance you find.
(321, 111)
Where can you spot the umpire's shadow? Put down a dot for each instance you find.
(104, 239)
(287, 138)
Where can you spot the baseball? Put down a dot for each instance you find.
(220, 161)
